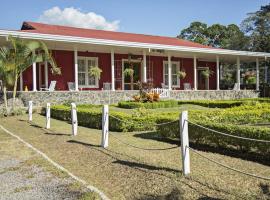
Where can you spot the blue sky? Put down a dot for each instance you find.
(157, 17)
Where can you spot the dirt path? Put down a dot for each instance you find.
(24, 175)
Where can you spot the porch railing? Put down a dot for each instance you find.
(163, 93)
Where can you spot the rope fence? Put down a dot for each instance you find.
(183, 128)
(228, 167)
(226, 134)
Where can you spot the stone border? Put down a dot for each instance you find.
(40, 98)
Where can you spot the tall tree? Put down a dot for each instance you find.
(257, 26)
(217, 35)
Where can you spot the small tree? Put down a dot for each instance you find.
(21, 54)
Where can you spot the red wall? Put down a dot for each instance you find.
(65, 60)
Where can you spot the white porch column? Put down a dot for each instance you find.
(169, 72)
(257, 75)
(76, 69)
(217, 72)
(34, 76)
(46, 74)
(195, 72)
(144, 67)
(112, 70)
(238, 73)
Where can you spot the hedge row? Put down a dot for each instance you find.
(90, 117)
(148, 105)
(224, 103)
(204, 103)
(201, 136)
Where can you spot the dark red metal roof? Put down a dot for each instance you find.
(34, 27)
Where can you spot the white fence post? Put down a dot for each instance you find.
(30, 110)
(184, 142)
(74, 120)
(48, 116)
(105, 127)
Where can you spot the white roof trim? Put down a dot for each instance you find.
(72, 39)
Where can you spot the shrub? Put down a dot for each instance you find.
(148, 105)
(202, 136)
(91, 117)
(224, 103)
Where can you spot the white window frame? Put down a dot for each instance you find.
(177, 69)
(86, 59)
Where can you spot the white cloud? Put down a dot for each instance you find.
(74, 17)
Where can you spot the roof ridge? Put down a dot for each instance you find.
(120, 32)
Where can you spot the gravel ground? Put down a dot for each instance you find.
(18, 181)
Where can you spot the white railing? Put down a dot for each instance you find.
(163, 93)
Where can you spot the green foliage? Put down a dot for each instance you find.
(217, 35)
(236, 121)
(91, 117)
(224, 103)
(96, 72)
(207, 73)
(128, 72)
(256, 25)
(148, 105)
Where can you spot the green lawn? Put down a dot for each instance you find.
(123, 172)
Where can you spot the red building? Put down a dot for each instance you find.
(154, 59)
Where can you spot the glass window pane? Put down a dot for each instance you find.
(91, 79)
(81, 65)
(174, 79)
(166, 80)
(166, 68)
(81, 78)
(174, 68)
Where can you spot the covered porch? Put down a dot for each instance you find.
(157, 67)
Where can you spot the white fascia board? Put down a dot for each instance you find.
(83, 40)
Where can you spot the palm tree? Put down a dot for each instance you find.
(6, 74)
(21, 54)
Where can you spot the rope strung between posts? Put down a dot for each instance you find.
(228, 167)
(128, 122)
(141, 148)
(229, 135)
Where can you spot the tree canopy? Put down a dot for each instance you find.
(253, 34)
(216, 35)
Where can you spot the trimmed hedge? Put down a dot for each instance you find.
(91, 117)
(224, 103)
(225, 120)
(201, 136)
(148, 105)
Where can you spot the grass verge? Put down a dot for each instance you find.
(126, 173)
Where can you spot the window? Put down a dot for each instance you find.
(84, 78)
(175, 69)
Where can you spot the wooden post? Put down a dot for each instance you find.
(48, 116)
(74, 120)
(184, 142)
(105, 127)
(30, 110)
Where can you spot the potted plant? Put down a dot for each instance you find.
(96, 72)
(129, 72)
(207, 73)
(181, 74)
